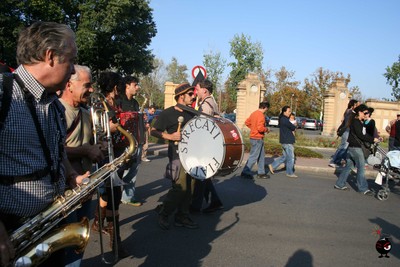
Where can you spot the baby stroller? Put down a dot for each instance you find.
(389, 167)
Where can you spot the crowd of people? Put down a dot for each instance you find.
(54, 146)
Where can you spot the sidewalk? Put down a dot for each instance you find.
(304, 164)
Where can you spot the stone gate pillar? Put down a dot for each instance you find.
(336, 99)
(169, 93)
(250, 92)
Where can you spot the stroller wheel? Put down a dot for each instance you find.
(382, 195)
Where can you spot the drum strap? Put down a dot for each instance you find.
(191, 110)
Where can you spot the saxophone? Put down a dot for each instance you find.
(35, 240)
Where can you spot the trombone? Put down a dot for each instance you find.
(101, 132)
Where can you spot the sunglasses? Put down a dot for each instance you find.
(190, 94)
(366, 113)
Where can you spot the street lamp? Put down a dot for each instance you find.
(291, 101)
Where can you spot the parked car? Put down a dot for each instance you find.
(321, 124)
(230, 116)
(311, 124)
(300, 122)
(267, 120)
(274, 121)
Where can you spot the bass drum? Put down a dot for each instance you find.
(210, 147)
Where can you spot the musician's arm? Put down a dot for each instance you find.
(72, 177)
(176, 136)
(94, 152)
(7, 251)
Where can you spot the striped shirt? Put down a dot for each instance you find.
(21, 152)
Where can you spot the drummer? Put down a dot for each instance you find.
(167, 127)
(205, 188)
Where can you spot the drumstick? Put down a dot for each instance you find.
(180, 120)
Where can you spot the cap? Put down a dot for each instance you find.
(183, 88)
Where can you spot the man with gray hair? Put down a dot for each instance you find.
(81, 151)
(34, 168)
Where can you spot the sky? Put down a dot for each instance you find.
(356, 37)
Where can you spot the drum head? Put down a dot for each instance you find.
(201, 150)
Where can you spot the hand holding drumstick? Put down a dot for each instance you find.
(180, 120)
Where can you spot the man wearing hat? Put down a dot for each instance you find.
(166, 127)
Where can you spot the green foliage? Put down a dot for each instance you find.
(115, 34)
(316, 87)
(248, 56)
(392, 76)
(285, 92)
(215, 66)
(111, 34)
(152, 85)
(176, 73)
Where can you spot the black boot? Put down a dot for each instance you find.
(116, 243)
(98, 219)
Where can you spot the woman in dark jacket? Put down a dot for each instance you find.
(355, 155)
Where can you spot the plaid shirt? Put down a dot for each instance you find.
(21, 152)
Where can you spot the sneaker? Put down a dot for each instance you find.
(263, 176)
(133, 203)
(368, 192)
(145, 160)
(340, 188)
(186, 222)
(292, 175)
(163, 222)
(333, 165)
(214, 206)
(271, 170)
(246, 176)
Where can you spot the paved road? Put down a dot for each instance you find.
(274, 222)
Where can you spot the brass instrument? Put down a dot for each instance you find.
(143, 104)
(35, 240)
(102, 132)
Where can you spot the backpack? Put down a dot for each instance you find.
(5, 96)
(341, 129)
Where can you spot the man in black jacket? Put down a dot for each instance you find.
(287, 139)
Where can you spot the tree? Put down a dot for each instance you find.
(215, 66)
(355, 93)
(392, 76)
(10, 26)
(317, 86)
(176, 73)
(116, 34)
(152, 85)
(111, 34)
(285, 92)
(249, 57)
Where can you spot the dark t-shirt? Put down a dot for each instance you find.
(168, 121)
(128, 105)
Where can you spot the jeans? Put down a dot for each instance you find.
(355, 156)
(257, 154)
(287, 158)
(71, 258)
(129, 178)
(341, 150)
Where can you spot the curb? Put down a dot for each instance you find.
(162, 150)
